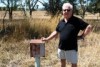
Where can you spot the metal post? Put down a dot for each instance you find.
(37, 61)
(37, 50)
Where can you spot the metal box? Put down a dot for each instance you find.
(37, 48)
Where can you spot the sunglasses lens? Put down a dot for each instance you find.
(66, 10)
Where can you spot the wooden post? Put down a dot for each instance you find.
(37, 50)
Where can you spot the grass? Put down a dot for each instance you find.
(89, 51)
(15, 49)
(18, 54)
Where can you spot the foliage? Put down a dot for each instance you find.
(94, 6)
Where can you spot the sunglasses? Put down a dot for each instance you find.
(68, 10)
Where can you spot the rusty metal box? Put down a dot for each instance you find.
(37, 48)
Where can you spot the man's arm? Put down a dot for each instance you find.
(52, 35)
(87, 30)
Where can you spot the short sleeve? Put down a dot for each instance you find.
(60, 26)
(83, 24)
(57, 28)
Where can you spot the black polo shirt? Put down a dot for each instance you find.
(69, 31)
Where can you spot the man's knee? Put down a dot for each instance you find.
(63, 62)
(74, 65)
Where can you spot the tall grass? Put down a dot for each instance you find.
(43, 27)
(28, 28)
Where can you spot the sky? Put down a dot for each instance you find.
(2, 5)
(40, 5)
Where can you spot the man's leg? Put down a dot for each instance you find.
(74, 65)
(71, 56)
(61, 56)
(63, 62)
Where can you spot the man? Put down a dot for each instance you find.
(68, 29)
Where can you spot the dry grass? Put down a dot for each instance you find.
(89, 51)
(20, 14)
(15, 53)
(42, 15)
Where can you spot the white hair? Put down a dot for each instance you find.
(67, 5)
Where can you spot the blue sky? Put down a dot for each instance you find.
(40, 5)
(1, 4)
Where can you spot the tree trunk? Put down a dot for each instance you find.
(57, 5)
(10, 13)
(10, 10)
(4, 21)
(30, 12)
(83, 15)
(51, 6)
(31, 6)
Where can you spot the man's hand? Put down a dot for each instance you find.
(44, 39)
(80, 37)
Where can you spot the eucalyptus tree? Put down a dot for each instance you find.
(45, 4)
(10, 6)
(83, 7)
(54, 6)
(95, 6)
(31, 4)
(51, 6)
(92, 6)
(98, 7)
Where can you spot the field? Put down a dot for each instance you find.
(15, 49)
(42, 15)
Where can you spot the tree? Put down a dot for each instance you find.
(83, 7)
(94, 6)
(31, 5)
(55, 6)
(46, 5)
(10, 6)
(51, 6)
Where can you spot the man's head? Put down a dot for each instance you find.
(67, 9)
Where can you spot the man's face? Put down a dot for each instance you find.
(67, 12)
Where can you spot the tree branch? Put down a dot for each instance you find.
(2, 1)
